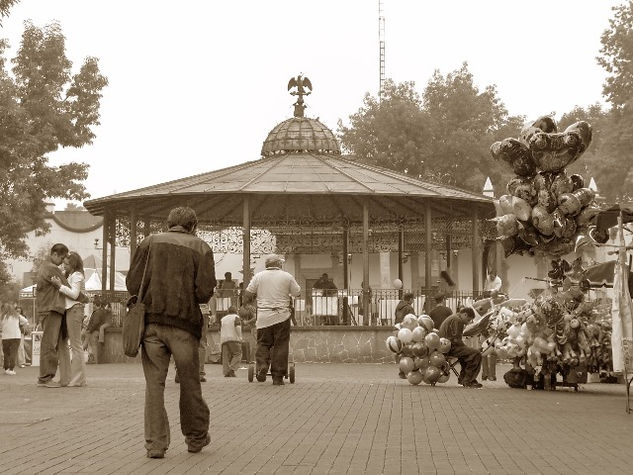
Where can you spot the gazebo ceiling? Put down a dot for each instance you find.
(296, 187)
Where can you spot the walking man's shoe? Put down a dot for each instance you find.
(278, 381)
(261, 376)
(203, 379)
(474, 384)
(156, 454)
(194, 449)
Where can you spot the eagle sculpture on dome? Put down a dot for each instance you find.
(301, 83)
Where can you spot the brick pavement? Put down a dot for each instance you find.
(337, 418)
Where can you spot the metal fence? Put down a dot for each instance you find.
(321, 307)
(345, 307)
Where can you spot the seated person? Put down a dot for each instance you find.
(328, 288)
(469, 358)
(404, 307)
(492, 285)
(100, 319)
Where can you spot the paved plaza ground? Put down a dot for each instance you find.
(336, 418)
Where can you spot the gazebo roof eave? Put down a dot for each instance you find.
(122, 205)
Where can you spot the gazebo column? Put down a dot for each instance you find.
(104, 250)
(400, 253)
(428, 246)
(112, 252)
(366, 291)
(346, 316)
(476, 259)
(132, 233)
(246, 240)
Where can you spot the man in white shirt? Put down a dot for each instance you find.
(493, 284)
(272, 288)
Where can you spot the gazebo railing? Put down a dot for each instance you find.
(323, 307)
(345, 306)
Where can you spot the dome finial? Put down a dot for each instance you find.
(300, 82)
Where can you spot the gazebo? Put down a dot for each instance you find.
(310, 197)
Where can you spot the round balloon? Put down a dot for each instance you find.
(419, 349)
(432, 341)
(443, 378)
(397, 284)
(405, 335)
(419, 333)
(437, 359)
(426, 322)
(414, 377)
(407, 350)
(445, 345)
(432, 374)
(410, 321)
(422, 363)
(394, 344)
(406, 364)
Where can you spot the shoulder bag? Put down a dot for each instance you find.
(134, 321)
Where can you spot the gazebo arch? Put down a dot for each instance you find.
(302, 185)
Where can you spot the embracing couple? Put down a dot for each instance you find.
(60, 307)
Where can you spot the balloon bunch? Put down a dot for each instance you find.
(554, 329)
(421, 349)
(545, 209)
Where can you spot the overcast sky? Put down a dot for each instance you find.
(196, 86)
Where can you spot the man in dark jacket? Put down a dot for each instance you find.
(469, 358)
(180, 275)
(51, 307)
(404, 307)
(440, 312)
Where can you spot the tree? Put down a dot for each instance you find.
(464, 123)
(5, 6)
(391, 132)
(43, 106)
(443, 136)
(617, 56)
(614, 172)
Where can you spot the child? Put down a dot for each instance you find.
(231, 340)
(10, 321)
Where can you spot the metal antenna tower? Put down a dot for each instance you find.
(381, 47)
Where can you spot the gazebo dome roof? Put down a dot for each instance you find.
(300, 135)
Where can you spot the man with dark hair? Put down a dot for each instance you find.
(404, 307)
(272, 288)
(469, 359)
(180, 275)
(440, 312)
(51, 307)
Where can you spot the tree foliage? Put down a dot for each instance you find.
(442, 136)
(43, 106)
(391, 132)
(617, 56)
(5, 6)
(608, 158)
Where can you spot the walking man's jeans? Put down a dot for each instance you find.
(159, 343)
(272, 349)
(54, 348)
